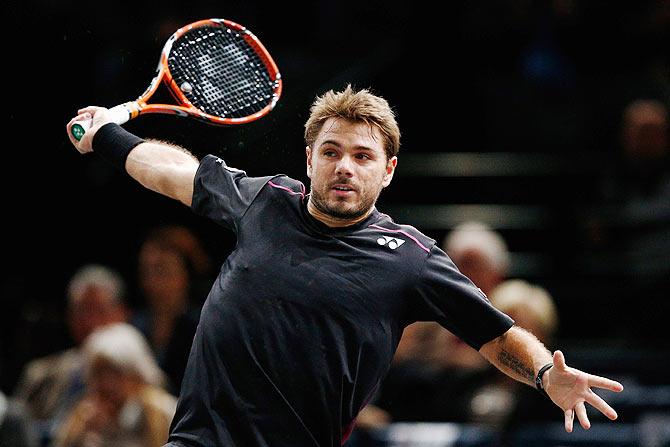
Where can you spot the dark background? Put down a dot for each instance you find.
(540, 80)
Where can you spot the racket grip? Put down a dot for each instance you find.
(79, 128)
(119, 114)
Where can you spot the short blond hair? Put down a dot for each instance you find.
(533, 302)
(483, 239)
(352, 105)
(126, 349)
(95, 275)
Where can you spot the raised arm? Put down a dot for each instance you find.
(158, 166)
(164, 168)
(520, 355)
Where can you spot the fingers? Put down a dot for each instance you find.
(605, 383)
(580, 409)
(582, 416)
(580, 392)
(559, 360)
(98, 114)
(94, 117)
(90, 109)
(601, 405)
(81, 117)
(84, 116)
(569, 418)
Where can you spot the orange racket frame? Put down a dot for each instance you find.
(132, 109)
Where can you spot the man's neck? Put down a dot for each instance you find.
(334, 222)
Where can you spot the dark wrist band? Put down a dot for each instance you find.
(113, 143)
(538, 380)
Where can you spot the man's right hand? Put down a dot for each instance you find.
(97, 117)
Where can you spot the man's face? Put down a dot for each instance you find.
(111, 387)
(348, 168)
(93, 308)
(163, 277)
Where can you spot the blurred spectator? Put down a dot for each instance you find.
(15, 424)
(434, 374)
(641, 172)
(480, 253)
(628, 220)
(645, 130)
(504, 402)
(436, 386)
(48, 386)
(530, 306)
(124, 403)
(171, 266)
(455, 383)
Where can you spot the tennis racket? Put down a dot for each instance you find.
(216, 70)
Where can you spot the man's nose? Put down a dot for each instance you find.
(345, 166)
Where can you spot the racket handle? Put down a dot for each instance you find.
(79, 128)
(119, 114)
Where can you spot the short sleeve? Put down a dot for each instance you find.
(223, 194)
(448, 297)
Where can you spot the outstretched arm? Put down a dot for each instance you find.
(520, 355)
(158, 166)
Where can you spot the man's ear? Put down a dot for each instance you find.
(390, 170)
(308, 154)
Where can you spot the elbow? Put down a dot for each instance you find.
(491, 348)
(176, 190)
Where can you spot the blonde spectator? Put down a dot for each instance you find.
(125, 403)
(480, 253)
(504, 403)
(529, 305)
(49, 386)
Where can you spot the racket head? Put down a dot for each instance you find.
(218, 71)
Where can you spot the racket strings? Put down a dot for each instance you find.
(220, 73)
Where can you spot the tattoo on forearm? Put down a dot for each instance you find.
(516, 365)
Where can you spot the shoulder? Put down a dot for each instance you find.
(51, 369)
(212, 165)
(159, 400)
(284, 185)
(394, 235)
(280, 183)
(59, 361)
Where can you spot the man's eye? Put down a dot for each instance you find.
(330, 153)
(363, 156)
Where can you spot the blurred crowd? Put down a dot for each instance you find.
(117, 384)
(563, 77)
(436, 377)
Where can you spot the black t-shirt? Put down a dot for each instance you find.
(303, 320)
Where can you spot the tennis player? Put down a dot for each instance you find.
(301, 324)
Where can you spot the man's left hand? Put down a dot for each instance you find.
(570, 389)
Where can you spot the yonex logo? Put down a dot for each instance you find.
(391, 242)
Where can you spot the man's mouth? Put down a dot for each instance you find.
(342, 189)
